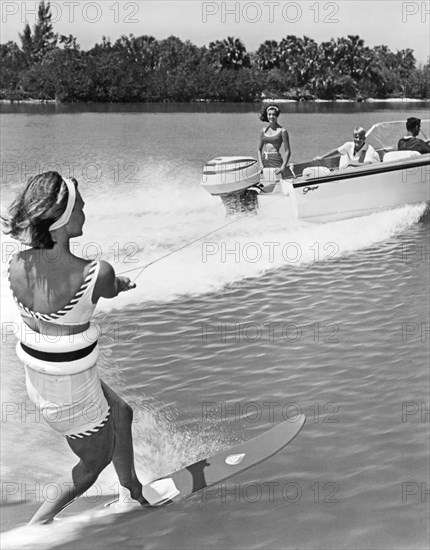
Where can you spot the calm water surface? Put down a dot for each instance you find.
(221, 339)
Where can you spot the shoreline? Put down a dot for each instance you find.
(38, 101)
(368, 100)
(265, 100)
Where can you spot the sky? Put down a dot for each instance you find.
(399, 24)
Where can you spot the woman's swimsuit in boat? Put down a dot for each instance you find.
(271, 156)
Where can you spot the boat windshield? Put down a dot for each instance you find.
(385, 135)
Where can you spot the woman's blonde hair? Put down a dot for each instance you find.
(36, 208)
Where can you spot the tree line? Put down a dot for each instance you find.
(141, 68)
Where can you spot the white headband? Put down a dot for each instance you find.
(65, 216)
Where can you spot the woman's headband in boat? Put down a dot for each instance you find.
(65, 216)
(273, 108)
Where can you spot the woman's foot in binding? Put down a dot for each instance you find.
(135, 497)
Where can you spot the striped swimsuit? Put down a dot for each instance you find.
(61, 371)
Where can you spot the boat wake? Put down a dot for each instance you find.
(190, 248)
(245, 247)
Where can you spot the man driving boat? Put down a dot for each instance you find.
(411, 142)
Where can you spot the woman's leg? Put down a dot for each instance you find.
(123, 454)
(95, 453)
(112, 443)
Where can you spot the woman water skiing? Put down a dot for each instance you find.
(56, 293)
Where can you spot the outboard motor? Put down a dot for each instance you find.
(236, 180)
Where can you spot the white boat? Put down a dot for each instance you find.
(319, 191)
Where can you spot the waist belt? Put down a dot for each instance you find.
(59, 357)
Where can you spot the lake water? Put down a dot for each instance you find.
(217, 343)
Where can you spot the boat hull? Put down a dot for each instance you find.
(358, 192)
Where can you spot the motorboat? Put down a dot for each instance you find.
(319, 191)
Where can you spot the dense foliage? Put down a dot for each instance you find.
(48, 66)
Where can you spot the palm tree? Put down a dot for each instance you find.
(229, 53)
(42, 40)
(298, 57)
(267, 55)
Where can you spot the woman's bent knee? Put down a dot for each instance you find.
(122, 412)
(95, 448)
(92, 464)
(95, 465)
(126, 414)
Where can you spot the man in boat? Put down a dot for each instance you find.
(354, 153)
(411, 142)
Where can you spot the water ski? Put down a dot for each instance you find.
(212, 470)
(182, 483)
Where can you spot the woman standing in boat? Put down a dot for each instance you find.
(56, 293)
(272, 137)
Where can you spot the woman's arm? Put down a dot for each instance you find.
(286, 143)
(108, 285)
(260, 150)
